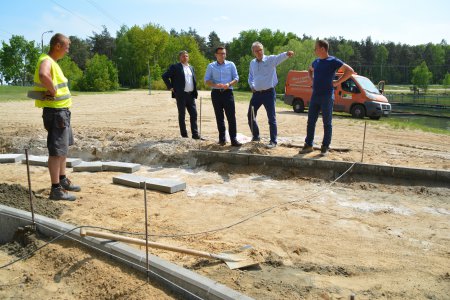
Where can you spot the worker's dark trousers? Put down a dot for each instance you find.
(223, 101)
(186, 101)
(317, 104)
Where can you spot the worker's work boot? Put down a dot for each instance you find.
(68, 185)
(324, 150)
(306, 149)
(60, 194)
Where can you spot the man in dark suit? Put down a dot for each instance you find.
(180, 79)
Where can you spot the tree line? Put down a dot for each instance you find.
(102, 62)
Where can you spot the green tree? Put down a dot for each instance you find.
(381, 56)
(242, 66)
(304, 56)
(446, 81)
(18, 60)
(102, 43)
(345, 52)
(241, 46)
(79, 51)
(72, 72)
(421, 76)
(434, 56)
(100, 75)
(213, 42)
(196, 58)
(137, 48)
(201, 41)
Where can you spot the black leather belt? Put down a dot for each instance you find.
(55, 109)
(264, 91)
(221, 90)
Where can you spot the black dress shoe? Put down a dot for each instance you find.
(222, 143)
(236, 144)
(196, 137)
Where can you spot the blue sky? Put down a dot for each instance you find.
(410, 22)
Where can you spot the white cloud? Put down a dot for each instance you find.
(221, 18)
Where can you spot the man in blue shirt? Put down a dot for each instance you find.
(221, 75)
(322, 72)
(262, 79)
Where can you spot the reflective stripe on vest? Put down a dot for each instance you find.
(42, 96)
(58, 86)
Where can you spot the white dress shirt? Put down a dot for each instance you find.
(189, 86)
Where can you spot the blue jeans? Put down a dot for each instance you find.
(317, 104)
(266, 98)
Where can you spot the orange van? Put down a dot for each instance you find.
(357, 95)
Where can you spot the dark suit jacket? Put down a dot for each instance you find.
(174, 78)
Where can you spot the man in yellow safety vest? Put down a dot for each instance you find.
(51, 92)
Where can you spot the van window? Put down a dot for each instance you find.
(350, 86)
(367, 85)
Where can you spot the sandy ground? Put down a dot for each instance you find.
(379, 241)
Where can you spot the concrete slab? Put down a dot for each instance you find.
(72, 162)
(116, 166)
(11, 158)
(166, 185)
(36, 160)
(91, 166)
(129, 180)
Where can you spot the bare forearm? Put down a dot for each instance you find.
(47, 82)
(348, 72)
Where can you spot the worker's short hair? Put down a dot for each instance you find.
(182, 52)
(323, 44)
(58, 38)
(220, 48)
(257, 44)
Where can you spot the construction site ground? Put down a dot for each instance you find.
(379, 240)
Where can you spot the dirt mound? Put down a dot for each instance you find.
(23, 243)
(17, 196)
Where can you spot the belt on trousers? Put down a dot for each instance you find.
(222, 90)
(264, 91)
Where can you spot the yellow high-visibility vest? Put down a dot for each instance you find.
(62, 98)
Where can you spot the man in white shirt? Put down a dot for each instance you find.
(180, 80)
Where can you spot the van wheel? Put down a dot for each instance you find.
(298, 106)
(375, 117)
(358, 111)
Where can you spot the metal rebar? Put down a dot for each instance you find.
(200, 131)
(364, 141)
(29, 188)
(253, 119)
(146, 232)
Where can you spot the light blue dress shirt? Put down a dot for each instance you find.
(221, 73)
(263, 75)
